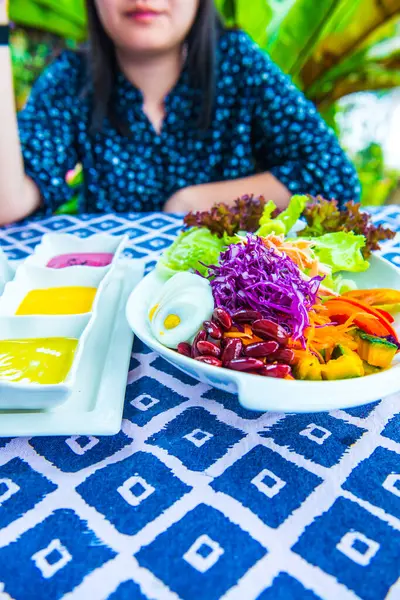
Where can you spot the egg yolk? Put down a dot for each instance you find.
(152, 311)
(171, 322)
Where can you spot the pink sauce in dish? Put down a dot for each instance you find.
(87, 259)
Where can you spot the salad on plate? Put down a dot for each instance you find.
(268, 292)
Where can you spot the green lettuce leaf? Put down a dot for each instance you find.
(189, 250)
(275, 226)
(267, 212)
(291, 215)
(284, 222)
(343, 284)
(267, 224)
(339, 284)
(342, 251)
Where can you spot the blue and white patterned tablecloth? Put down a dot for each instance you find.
(197, 498)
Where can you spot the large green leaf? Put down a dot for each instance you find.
(280, 9)
(73, 10)
(298, 34)
(354, 27)
(253, 17)
(385, 54)
(329, 47)
(227, 8)
(65, 18)
(370, 77)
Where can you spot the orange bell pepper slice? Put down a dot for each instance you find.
(375, 297)
(365, 317)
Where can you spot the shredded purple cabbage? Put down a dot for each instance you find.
(251, 276)
(392, 340)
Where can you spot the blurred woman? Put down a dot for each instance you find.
(165, 111)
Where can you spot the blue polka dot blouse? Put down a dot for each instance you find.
(261, 122)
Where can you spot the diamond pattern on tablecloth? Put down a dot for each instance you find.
(197, 496)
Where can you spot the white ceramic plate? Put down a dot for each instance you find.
(19, 395)
(268, 394)
(96, 402)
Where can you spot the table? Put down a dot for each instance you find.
(197, 498)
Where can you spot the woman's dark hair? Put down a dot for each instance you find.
(201, 60)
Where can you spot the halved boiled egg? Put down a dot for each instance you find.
(178, 313)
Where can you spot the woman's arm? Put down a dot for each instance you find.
(38, 147)
(19, 196)
(293, 147)
(291, 139)
(202, 197)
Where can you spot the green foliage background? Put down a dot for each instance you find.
(331, 48)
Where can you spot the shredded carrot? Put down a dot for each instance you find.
(300, 251)
(235, 334)
(252, 340)
(247, 334)
(314, 269)
(323, 335)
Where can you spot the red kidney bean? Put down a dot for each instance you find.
(223, 342)
(245, 363)
(200, 337)
(213, 330)
(277, 371)
(232, 349)
(261, 349)
(222, 318)
(209, 360)
(208, 349)
(185, 349)
(285, 355)
(195, 351)
(246, 316)
(267, 329)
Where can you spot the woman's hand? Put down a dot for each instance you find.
(204, 196)
(184, 200)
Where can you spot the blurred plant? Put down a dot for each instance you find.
(365, 122)
(74, 179)
(331, 48)
(377, 180)
(31, 52)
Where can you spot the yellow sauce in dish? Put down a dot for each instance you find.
(38, 360)
(58, 301)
